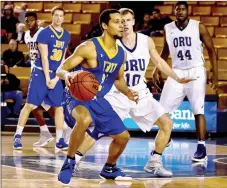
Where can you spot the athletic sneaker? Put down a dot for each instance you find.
(17, 142)
(45, 138)
(154, 166)
(113, 173)
(66, 172)
(200, 154)
(61, 145)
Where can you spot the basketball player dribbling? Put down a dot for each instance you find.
(183, 40)
(140, 49)
(105, 59)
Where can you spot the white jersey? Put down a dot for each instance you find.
(185, 46)
(33, 45)
(137, 61)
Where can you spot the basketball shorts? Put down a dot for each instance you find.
(173, 93)
(67, 105)
(105, 119)
(145, 113)
(39, 93)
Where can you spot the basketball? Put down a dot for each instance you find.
(84, 86)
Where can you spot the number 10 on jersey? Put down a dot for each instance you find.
(132, 79)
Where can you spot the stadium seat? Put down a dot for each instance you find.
(81, 18)
(159, 41)
(4, 47)
(222, 65)
(210, 21)
(46, 17)
(220, 42)
(221, 32)
(23, 48)
(47, 6)
(32, 6)
(72, 28)
(223, 21)
(91, 8)
(222, 101)
(166, 9)
(72, 7)
(211, 31)
(206, 2)
(222, 54)
(195, 18)
(201, 10)
(222, 75)
(219, 11)
(221, 3)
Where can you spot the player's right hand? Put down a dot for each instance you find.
(69, 76)
(185, 80)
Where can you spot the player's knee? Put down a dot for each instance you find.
(20, 94)
(83, 121)
(29, 107)
(123, 137)
(167, 125)
(58, 110)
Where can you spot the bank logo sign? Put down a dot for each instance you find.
(184, 119)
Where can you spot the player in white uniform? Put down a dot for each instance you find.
(183, 40)
(140, 49)
(31, 41)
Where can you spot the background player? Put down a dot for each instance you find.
(31, 41)
(140, 49)
(44, 85)
(104, 58)
(183, 40)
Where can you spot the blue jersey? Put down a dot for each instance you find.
(107, 68)
(57, 42)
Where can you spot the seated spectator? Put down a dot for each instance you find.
(9, 22)
(12, 57)
(19, 36)
(143, 26)
(157, 23)
(10, 87)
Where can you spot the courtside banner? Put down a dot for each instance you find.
(183, 118)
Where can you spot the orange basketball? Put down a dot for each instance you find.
(84, 86)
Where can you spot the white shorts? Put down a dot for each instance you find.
(173, 93)
(145, 113)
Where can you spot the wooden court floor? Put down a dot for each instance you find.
(38, 167)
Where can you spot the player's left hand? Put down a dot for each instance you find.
(214, 82)
(133, 95)
(52, 83)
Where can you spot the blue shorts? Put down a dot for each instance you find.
(38, 91)
(106, 120)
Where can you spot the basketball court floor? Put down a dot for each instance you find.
(38, 167)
